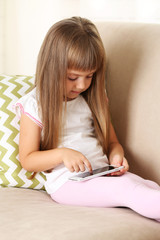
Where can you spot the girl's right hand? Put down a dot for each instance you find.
(75, 161)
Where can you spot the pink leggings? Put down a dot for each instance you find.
(128, 190)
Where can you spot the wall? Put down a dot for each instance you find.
(24, 23)
(1, 35)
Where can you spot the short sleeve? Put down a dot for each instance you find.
(28, 105)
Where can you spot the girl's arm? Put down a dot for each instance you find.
(34, 160)
(31, 158)
(116, 152)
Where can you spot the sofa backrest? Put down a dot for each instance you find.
(133, 86)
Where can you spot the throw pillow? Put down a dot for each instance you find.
(11, 173)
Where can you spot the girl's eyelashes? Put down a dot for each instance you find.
(74, 79)
(90, 76)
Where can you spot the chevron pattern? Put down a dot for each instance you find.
(11, 173)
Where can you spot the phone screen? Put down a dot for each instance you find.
(99, 170)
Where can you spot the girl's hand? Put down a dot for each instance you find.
(118, 161)
(75, 161)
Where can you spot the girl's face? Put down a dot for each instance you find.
(77, 82)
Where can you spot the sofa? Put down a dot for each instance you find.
(133, 87)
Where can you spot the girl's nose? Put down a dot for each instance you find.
(80, 84)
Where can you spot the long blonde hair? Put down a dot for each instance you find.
(72, 43)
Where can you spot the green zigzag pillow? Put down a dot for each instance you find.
(11, 173)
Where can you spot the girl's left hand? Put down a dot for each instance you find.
(118, 161)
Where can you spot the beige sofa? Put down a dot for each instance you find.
(133, 86)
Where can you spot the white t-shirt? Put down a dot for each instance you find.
(78, 135)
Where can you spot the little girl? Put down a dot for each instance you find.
(65, 127)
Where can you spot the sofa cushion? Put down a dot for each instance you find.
(133, 85)
(33, 215)
(11, 172)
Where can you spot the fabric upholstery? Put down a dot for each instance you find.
(11, 173)
(31, 214)
(133, 84)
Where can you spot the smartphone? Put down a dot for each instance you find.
(96, 173)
